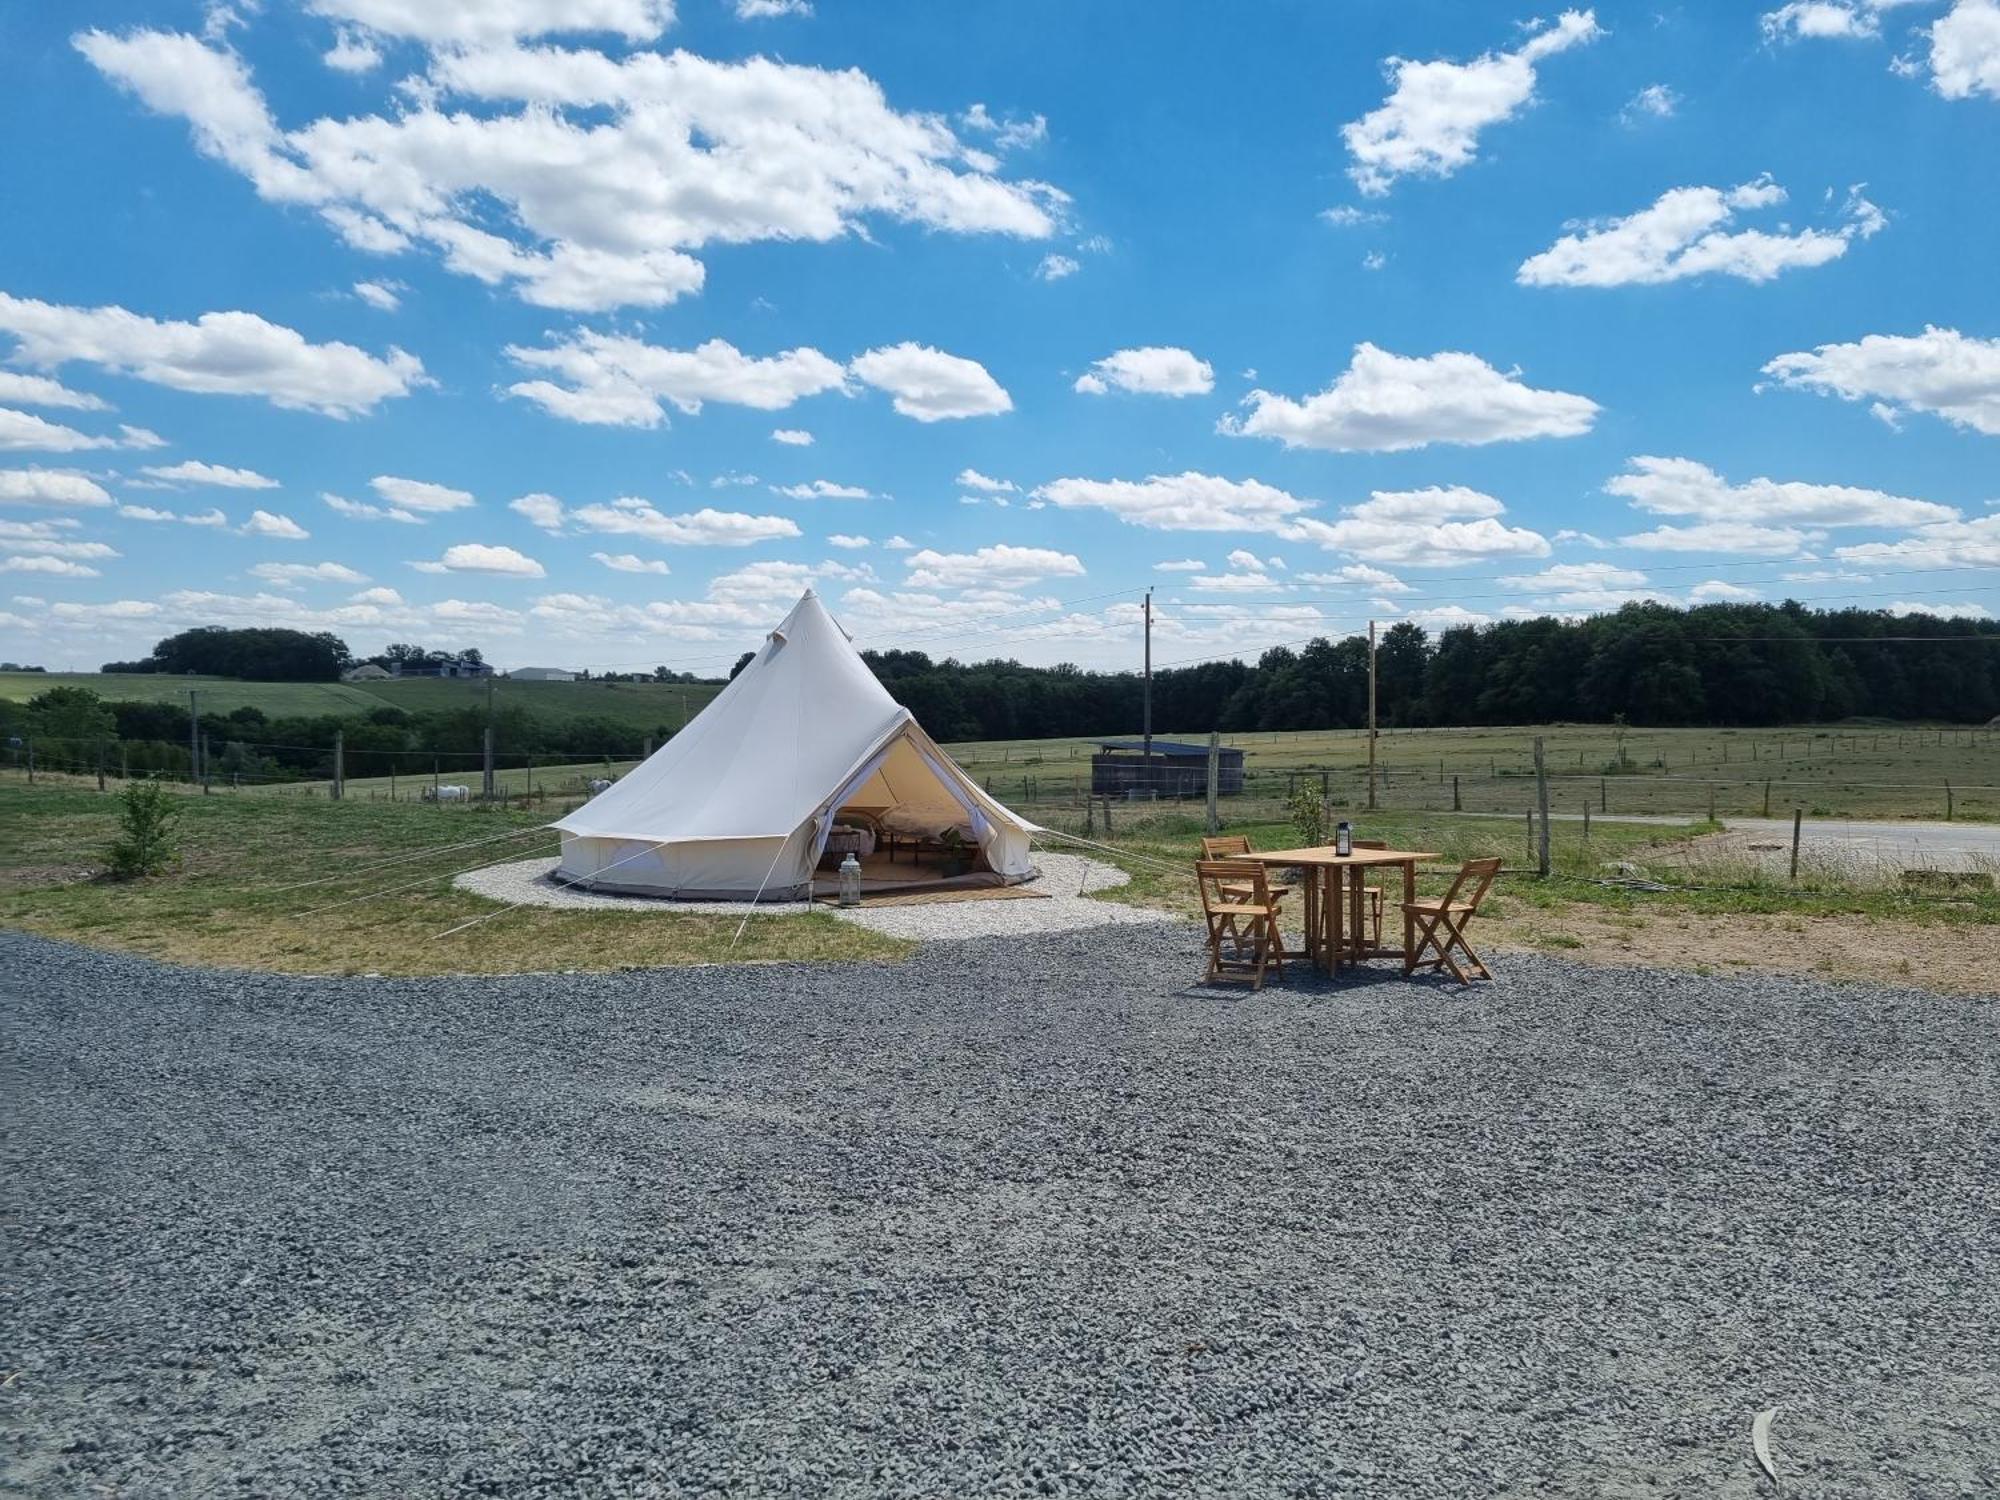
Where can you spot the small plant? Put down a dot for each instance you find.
(1306, 807)
(147, 813)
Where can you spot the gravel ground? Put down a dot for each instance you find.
(1009, 1219)
(1065, 880)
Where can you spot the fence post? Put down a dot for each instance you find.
(1603, 797)
(646, 749)
(1586, 818)
(1711, 802)
(204, 765)
(339, 764)
(486, 786)
(31, 760)
(1455, 805)
(1542, 803)
(1107, 815)
(1089, 817)
(1947, 799)
(100, 768)
(1798, 817)
(1767, 799)
(1214, 779)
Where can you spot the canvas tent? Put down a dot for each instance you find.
(740, 803)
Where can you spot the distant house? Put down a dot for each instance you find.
(542, 674)
(460, 667)
(366, 672)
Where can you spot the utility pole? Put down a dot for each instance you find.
(194, 738)
(1371, 715)
(1147, 704)
(486, 788)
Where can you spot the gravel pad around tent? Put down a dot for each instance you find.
(1012, 1218)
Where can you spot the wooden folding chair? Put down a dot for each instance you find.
(1440, 924)
(1244, 943)
(1235, 846)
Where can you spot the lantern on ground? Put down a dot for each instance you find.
(850, 881)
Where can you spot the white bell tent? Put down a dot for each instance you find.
(739, 805)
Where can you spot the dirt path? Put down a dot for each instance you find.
(1951, 960)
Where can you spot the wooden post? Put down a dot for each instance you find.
(1711, 802)
(100, 767)
(486, 787)
(392, 781)
(1089, 816)
(194, 738)
(31, 760)
(204, 765)
(1542, 803)
(434, 776)
(1371, 716)
(1586, 818)
(1798, 817)
(646, 749)
(1767, 799)
(1603, 796)
(1947, 797)
(339, 764)
(1456, 805)
(1214, 780)
(1107, 815)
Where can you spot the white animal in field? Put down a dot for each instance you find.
(448, 794)
(601, 785)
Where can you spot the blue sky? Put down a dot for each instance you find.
(427, 321)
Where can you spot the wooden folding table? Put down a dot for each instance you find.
(1336, 933)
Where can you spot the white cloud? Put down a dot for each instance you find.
(1943, 544)
(352, 52)
(1653, 102)
(899, 544)
(1180, 502)
(1965, 50)
(24, 432)
(630, 562)
(377, 596)
(1425, 528)
(50, 487)
(1347, 216)
(1939, 371)
(848, 543)
(630, 516)
(279, 527)
(1684, 234)
(1567, 534)
(792, 437)
(40, 390)
(929, 384)
(822, 489)
(210, 476)
(1153, 371)
(616, 380)
(53, 566)
(1431, 121)
(359, 510)
(1378, 579)
(383, 296)
(1234, 583)
(1181, 565)
(1386, 403)
(1683, 487)
(1009, 134)
(283, 574)
(1725, 536)
(1374, 260)
(765, 10)
(209, 517)
(1056, 267)
(489, 22)
(479, 557)
(542, 510)
(1720, 591)
(996, 567)
(1802, 19)
(972, 479)
(1577, 576)
(220, 353)
(419, 495)
(579, 180)
(1966, 611)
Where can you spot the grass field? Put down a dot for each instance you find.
(642, 707)
(1829, 770)
(236, 900)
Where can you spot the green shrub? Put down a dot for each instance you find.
(1307, 810)
(147, 812)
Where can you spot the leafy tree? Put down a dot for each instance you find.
(147, 814)
(70, 713)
